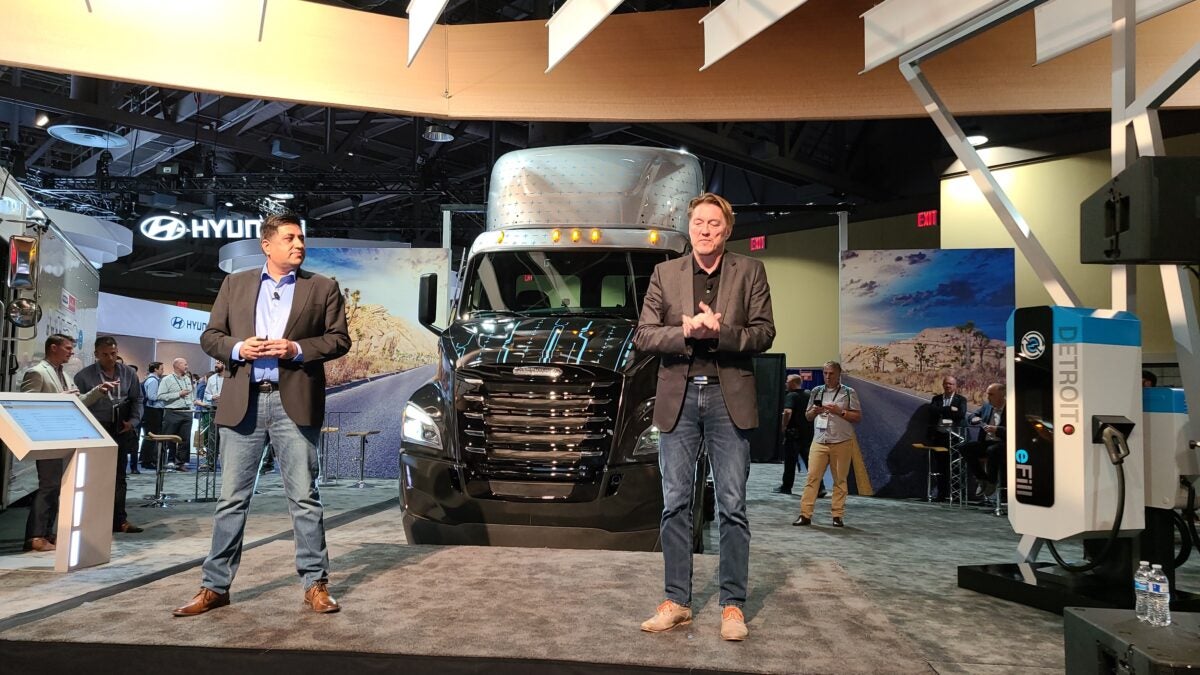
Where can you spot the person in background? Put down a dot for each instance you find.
(175, 391)
(1149, 379)
(114, 396)
(797, 434)
(833, 410)
(212, 388)
(947, 415)
(152, 416)
(986, 454)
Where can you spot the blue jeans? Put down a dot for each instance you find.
(241, 452)
(704, 420)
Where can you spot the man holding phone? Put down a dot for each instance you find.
(833, 410)
(114, 395)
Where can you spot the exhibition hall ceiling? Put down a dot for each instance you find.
(124, 151)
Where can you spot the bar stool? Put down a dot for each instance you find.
(323, 459)
(207, 449)
(362, 455)
(159, 499)
(1001, 497)
(930, 474)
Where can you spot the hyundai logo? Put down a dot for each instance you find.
(177, 322)
(164, 228)
(1033, 345)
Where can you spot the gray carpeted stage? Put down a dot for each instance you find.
(467, 609)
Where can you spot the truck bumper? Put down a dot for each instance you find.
(438, 511)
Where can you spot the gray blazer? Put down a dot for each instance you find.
(317, 322)
(747, 328)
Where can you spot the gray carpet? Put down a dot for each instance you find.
(805, 615)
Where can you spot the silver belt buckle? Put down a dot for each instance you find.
(700, 379)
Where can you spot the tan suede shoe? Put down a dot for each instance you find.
(40, 544)
(668, 615)
(203, 601)
(733, 624)
(318, 599)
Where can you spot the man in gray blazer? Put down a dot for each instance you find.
(705, 315)
(275, 327)
(47, 377)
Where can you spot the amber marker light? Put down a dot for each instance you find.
(500, 237)
(654, 237)
(555, 235)
(595, 236)
(576, 235)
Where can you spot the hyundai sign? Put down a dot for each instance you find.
(170, 228)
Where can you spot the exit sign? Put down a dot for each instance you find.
(927, 218)
(758, 243)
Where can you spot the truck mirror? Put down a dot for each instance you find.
(427, 302)
(22, 261)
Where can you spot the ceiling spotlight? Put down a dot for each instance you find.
(229, 204)
(350, 154)
(437, 133)
(41, 119)
(282, 195)
(977, 139)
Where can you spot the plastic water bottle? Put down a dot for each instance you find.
(1141, 591)
(1159, 601)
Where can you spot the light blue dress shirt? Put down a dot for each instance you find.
(271, 313)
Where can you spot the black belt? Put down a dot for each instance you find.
(265, 387)
(704, 379)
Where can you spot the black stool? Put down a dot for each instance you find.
(362, 455)
(160, 499)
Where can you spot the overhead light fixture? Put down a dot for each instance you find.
(41, 119)
(437, 133)
(229, 204)
(282, 195)
(977, 140)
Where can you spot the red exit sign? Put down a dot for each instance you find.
(758, 243)
(927, 218)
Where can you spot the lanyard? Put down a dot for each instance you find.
(837, 391)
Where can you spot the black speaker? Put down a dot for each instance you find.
(1103, 641)
(770, 375)
(1149, 214)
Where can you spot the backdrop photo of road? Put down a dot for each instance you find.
(909, 318)
(391, 354)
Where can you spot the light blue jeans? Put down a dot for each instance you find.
(705, 420)
(296, 456)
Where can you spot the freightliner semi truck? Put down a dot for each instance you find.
(537, 428)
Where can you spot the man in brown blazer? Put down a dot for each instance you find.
(705, 315)
(275, 327)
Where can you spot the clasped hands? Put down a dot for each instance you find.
(706, 325)
(262, 348)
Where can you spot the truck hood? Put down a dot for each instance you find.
(602, 341)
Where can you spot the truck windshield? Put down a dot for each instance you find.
(569, 281)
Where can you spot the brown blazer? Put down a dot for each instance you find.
(747, 327)
(317, 322)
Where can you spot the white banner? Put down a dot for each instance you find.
(574, 22)
(897, 26)
(1063, 25)
(735, 22)
(422, 15)
(119, 315)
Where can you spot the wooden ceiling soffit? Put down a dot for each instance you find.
(640, 67)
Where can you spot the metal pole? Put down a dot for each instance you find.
(1123, 278)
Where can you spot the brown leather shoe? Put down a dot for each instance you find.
(205, 600)
(41, 545)
(318, 599)
(128, 528)
(668, 615)
(733, 624)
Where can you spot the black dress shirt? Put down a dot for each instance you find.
(704, 289)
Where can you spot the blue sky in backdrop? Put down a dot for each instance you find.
(892, 295)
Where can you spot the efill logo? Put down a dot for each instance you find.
(164, 228)
(177, 322)
(1033, 345)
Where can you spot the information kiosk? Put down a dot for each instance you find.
(58, 426)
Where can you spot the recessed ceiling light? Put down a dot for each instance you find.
(282, 195)
(350, 153)
(229, 204)
(41, 119)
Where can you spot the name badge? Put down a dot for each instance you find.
(822, 422)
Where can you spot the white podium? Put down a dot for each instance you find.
(58, 426)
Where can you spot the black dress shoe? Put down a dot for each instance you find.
(802, 520)
(780, 490)
(837, 522)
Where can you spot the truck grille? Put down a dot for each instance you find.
(535, 429)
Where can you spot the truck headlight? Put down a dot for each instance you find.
(647, 443)
(417, 426)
